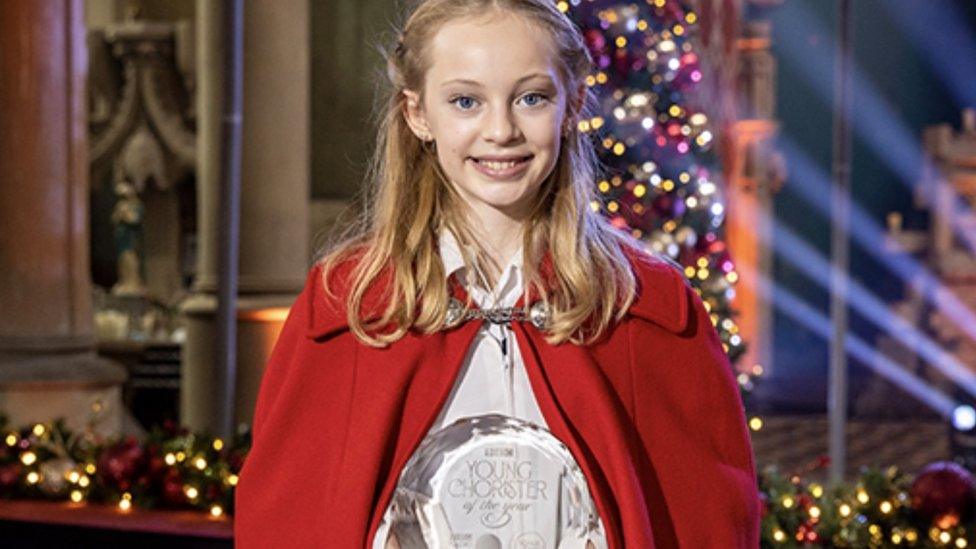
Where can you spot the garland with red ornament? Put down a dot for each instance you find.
(881, 508)
(170, 468)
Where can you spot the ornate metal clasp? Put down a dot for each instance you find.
(538, 314)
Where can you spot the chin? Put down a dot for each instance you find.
(506, 203)
(504, 196)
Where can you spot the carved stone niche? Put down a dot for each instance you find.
(142, 129)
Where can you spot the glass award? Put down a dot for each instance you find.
(493, 482)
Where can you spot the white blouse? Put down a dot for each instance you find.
(492, 378)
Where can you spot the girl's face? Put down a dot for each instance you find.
(495, 106)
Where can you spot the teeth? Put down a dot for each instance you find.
(499, 165)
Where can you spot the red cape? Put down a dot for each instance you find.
(652, 414)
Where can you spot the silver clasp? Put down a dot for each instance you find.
(538, 314)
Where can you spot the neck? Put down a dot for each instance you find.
(499, 234)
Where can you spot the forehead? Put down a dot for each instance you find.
(495, 51)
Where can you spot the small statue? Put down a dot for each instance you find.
(127, 217)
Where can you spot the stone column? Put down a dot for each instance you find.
(274, 255)
(101, 13)
(757, 172)
(48, 366)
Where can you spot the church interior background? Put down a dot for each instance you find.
(109, 195)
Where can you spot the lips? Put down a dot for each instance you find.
(501, 167)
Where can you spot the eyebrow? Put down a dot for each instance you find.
(519, 81)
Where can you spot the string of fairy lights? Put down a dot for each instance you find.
(881, 508)
(171, 468)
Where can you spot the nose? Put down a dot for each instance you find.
(500, 126)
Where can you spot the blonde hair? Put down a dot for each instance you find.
(589, 284)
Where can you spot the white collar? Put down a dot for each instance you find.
(509, 285)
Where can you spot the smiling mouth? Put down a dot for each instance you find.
(497, 165)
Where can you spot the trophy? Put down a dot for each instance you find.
(493, 482)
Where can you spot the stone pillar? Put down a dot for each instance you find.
(274, 197)
(101, 13)
(757, 172)
(48, 366)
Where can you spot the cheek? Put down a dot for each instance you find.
(452, 153)
(552, 146)
(548, 143)
(454, 141)
(546, 133)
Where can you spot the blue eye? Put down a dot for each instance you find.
(539, 99)
(463, 102)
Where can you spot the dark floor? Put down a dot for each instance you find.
(32, 535)
(795, 442)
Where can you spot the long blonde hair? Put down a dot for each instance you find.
(589, 284)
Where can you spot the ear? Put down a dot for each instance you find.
(413, 113)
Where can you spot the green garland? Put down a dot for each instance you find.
(171, 468)
(875, 510)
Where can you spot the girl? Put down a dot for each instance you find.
(480, 283)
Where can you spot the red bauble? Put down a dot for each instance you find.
(157, 467)
(9, 475)
(764, 504)
(804, 501)
(119, 464)
(595, 41)
(156, 464)
(807, 533)
(944, 488)
(173, 488)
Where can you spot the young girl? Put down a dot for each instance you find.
(482, 283)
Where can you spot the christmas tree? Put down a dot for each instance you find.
(663, 183)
